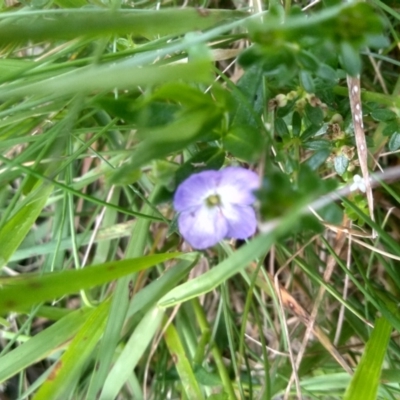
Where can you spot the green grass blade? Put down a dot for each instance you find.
(133, 351)
(43, 344)
(118, 309)
(59, 384)
(216, 276)
(365, 382)
(121, 76)
(108, 233)
(17, 227)
(183, 367)
(22, 292)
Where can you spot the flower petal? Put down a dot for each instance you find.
(237, 185)
(192, 191)
(203, 227)
(242, 221)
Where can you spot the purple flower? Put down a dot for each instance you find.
(214, 205)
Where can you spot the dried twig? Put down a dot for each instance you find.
(353, 84)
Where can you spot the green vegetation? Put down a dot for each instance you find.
(107, 107)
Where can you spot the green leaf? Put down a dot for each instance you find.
(17, 227)
(314, 114)
(332, 213)
(249, 98)
(313, 130)
(207, 378)
(281, 128)
(317, 144)
(128, 178)
(350, 59)
(318, 158)
(162, 141)
(184, 94)
(244, 142)
(327, 73)
(383, 114)
(307, 60)
(24, 291)
(394, 142)
(209, 158)
(307, 81)
(391, 128)
(365, 382)
(341, 163)
(296, 124)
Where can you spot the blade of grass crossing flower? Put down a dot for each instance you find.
(188, 379)
(43, 344)
(365, 382)
(17, 227)
(59, 385)
(131, 354)
(25, 291)
(206, 282)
